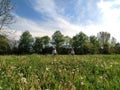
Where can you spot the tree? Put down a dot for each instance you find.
(25, 44)
(4, 45)
(104, 38)
(6, 17)
(67, 42)
(41, 43)
(80, 42)
(66, 46)
(94, 45)
(37, 46)
(117, 48)
(112, 45)
(57, 39)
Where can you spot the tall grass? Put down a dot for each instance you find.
(60, 72)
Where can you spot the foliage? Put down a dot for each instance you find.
(117, 48)
(60, 72)
(103, 37)
(25, 44)
(80, 43)
(94, 45)
(41, 43)
(6, 17)
(4, 45)
(57, 39)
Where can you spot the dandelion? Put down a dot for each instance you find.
(47, 69)
(55, 60)
(81, 78)
(30, 67)
(23, 80)
(13, 67)
(73, 72)
(20, 74)
(1, 88)
(59, 70)
(82, 83)
(73, 69)
(101, 77)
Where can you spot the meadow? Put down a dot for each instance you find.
(60, 72)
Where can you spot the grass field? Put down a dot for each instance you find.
(61, 72)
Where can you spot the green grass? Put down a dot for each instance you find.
(60, 72)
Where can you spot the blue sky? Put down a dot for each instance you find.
(44, 17)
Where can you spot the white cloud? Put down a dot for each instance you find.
(47, 7)
(110, 17)
(110, 14)
(23, 24)
(110, 20)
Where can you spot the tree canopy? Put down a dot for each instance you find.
(6, 17)
(81, 43)
(25, 43)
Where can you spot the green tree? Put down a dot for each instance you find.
(6, 17)
(25, 44)
(112, 45)
(67, 42)
(94, 45)
(41, 43)
(57, 39)
(4, 45)
(117, 48)
(80, 43)
(104, 38)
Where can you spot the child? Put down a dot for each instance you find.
(72, 52)
(54, 52)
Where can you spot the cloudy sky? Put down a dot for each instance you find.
(44, 17)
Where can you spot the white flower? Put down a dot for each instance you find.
(23, 80)
(47, 69)
(59, 70)
(82, 83)
(1, 88)
(110, 65)
(20, 74)
(101, 77)
(81, 78)
(30, 67)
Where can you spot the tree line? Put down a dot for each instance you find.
(81, 43)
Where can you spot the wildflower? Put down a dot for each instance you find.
(23, 80)
(73, 72)
(64, 69)
(73, 69)
(30, 67)
(20, 74)
(101, 77)
(47, 69)
(82, 83)
(1, 88)
(59, 70)
(13, 67)
(81, 78)
(111, 65)
(55, 60)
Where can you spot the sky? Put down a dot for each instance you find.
(44, 17)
